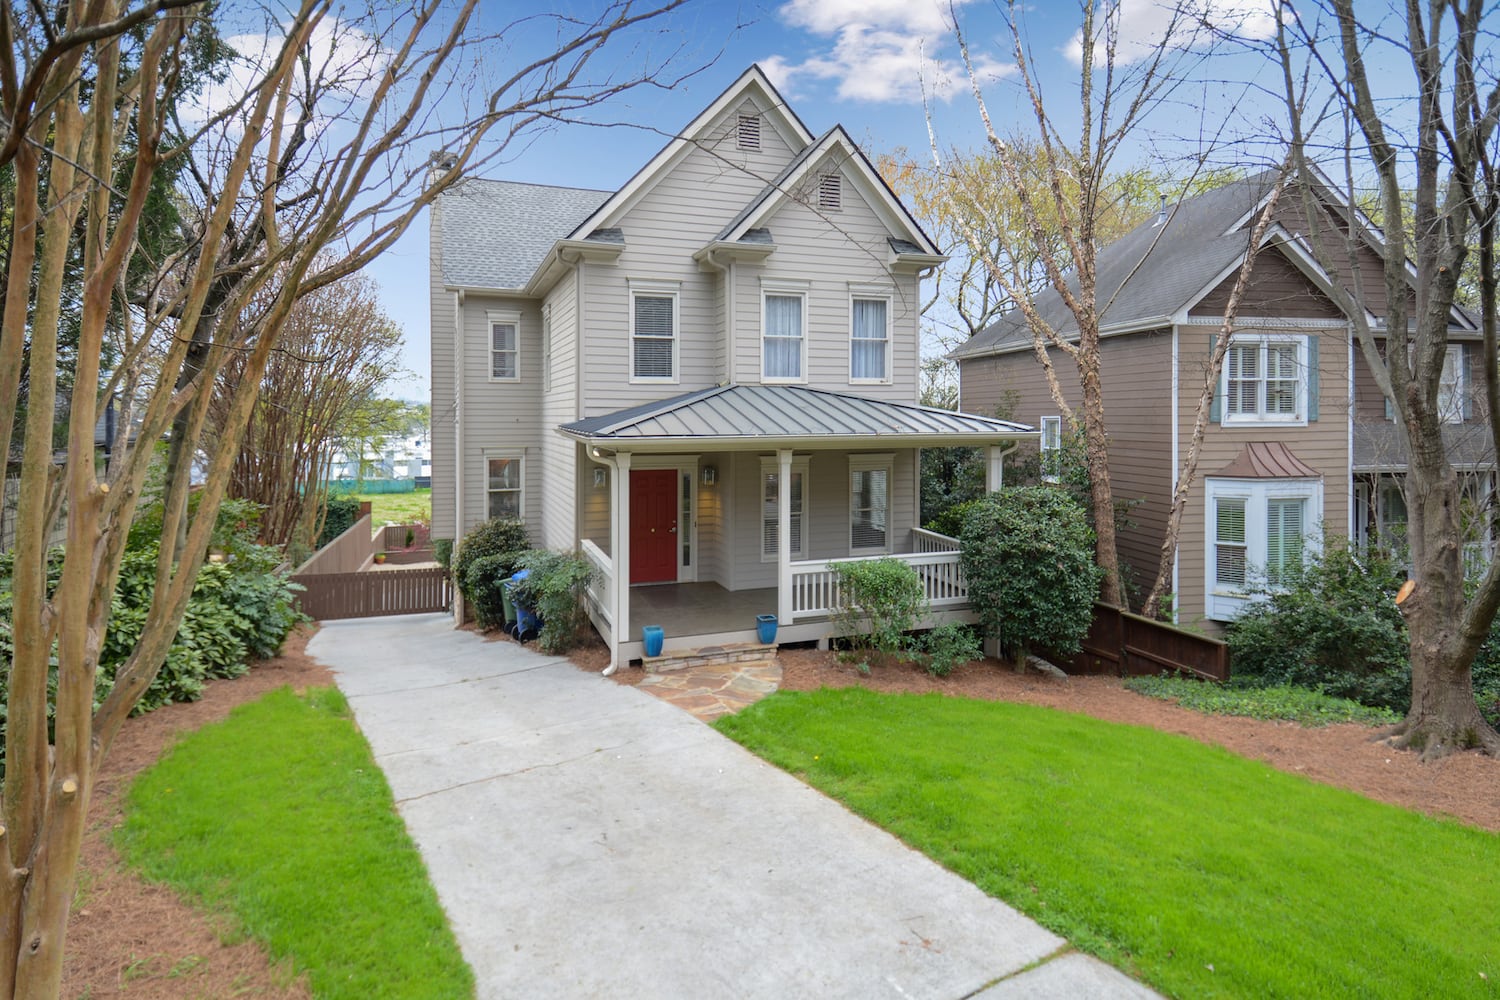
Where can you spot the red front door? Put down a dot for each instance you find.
(653, 526)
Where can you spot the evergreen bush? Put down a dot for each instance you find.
(554, 590)
(484, 583)
(880, 602)
(1028, 556)
(497, 536)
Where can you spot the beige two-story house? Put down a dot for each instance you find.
(1300, 444)
(704, 381)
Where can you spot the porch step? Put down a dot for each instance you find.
(729, 652)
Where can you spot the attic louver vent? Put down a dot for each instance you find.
(830, 192)
(749, 132)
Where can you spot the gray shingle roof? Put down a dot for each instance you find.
(1377, 446)
(772, 412)
(495, 233)
(1148, 281)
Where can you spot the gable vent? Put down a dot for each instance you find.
(749, 132)
(830, 192)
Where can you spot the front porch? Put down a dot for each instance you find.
(704, 511)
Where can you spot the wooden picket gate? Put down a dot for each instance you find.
(384, 592)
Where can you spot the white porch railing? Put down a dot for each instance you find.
(815, 583)
(931, 541)
(601, 583)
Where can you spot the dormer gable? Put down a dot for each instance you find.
(739, 119)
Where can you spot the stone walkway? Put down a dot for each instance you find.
(716, 689)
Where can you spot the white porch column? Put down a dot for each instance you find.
(784, 535)
(619, 548)
(994, 468)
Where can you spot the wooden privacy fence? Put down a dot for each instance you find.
(1128, 645)
(365, 595)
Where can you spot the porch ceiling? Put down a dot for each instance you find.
(760, 416)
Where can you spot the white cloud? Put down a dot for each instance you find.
(1145, 24)
(881, 50)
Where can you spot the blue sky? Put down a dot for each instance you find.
(858, 63)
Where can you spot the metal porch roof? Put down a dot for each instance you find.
(767, 414)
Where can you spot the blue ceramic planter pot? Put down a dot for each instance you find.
(765, 628)
(653, 636)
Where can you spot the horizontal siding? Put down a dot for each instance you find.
(501, 418)
(1322, 444)
(557, 499)
(678, 216)
(1138, 387)
(831, 251)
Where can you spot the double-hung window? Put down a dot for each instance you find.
(783, 339)
(869, 504)
(869, 339)
(1051, 448)
(1265, 379)
(1451, 387)
(505, 347)
(504, 486)
(653, 333)
(770, 517)
(1259, 531)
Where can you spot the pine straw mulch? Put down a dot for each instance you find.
(130, 939)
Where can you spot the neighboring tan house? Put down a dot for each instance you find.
(1286, 458)
(635, 373)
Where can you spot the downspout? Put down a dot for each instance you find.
(460, 344)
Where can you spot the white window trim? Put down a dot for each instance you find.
(1454, 412)
(492, 319)
(769, 465)
(520, 491)
(870, 463)
(880, 296)
(1054, 422)
(784, 289)
(1297, 419)
(656, 290)
(1225, 603)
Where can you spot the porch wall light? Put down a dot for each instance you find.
(599, 478)
(710, 475)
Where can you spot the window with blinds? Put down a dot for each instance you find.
(1284, 531)
(869, 509)
(653, 337)
(770, 514)
(1265, 378)
(1229, 542)
(505, 350)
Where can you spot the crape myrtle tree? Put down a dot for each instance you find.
(1430, 158)
(66, 114)
(1068, 189)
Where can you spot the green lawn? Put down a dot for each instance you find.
(279, 817)
(1205, 874)
(398, 508)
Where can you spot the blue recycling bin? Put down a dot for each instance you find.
(528, 626)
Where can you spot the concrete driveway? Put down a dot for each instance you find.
(589, 840)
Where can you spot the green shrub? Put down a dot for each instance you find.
(1028, 557)
(240, 609)
(948, 646)
(880, 601)
(339, 515)
(485, 584)
(951, 521)
(553, 589)
(442, 551)
(494, 537)
(1334, 626)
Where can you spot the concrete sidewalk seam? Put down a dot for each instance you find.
(511, 774)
